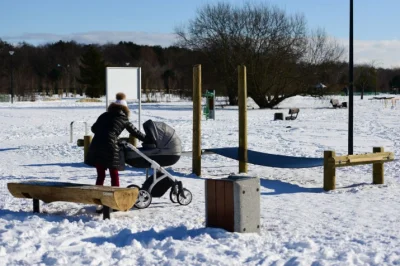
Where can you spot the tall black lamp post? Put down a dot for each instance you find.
(11, 78)
(350, 146)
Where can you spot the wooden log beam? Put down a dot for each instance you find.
(360, 159)
(117, 198)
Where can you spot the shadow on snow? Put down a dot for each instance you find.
(9, 149)
(280, 187)
(125, 237)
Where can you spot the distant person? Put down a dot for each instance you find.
(104, 150)
(346, 91)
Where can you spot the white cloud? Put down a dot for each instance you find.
(100, 37)
(381, 53)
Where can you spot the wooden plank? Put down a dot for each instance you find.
(369, 159)
(211, 211)
(220, 204)
(360, 159)
(117, 198)
(229, 207)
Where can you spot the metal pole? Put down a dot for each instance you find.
(140, 96)
(350, 146)
(12, 78)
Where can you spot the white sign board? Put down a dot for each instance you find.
(126, 80)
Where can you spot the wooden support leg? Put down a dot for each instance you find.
(106, 212)
(377, 169)
(36, 205)
(86, 143)
(329, 171)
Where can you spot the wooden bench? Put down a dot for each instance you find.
(112, 198)
(293, 113)
(336, 104)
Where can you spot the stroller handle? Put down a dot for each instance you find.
(153, 163)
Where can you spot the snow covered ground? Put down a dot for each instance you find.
(357, 224)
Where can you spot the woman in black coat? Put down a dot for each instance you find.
(104, 150)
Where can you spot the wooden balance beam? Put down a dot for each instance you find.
(376, 158)
(116, 198)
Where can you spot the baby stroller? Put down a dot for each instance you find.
(161, 148)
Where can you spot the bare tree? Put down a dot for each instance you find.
(366, 78)
(274, 46)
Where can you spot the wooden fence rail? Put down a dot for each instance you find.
(377, 158)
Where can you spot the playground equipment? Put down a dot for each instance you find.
(387, 100)
(71, 132)
(209, 108)
(87, 139)
(116, 198)
(329, 162)
(242, 102)
(376, 158)
(244, 156)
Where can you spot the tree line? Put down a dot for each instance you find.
(283, 57)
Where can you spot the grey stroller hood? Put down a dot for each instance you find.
(163, 136)
(162, 145)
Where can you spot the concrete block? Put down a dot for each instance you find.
(233, 203)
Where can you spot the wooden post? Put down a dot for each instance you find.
(106, 212)
(86, 143)
(242, 97)
(377, 169)
(329, 171)
(132, 140)
(80, 143)
(196, 148)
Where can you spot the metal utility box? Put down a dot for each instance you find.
(233, 203)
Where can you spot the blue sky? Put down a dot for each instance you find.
(153, 22)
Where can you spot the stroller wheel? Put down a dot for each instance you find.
(185, 197)
(144, 199)
(173, 195)
(133, 185)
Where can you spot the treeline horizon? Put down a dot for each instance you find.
(50, 67)
(282, 55)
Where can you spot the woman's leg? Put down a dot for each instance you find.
(114, 177)
(101, 174)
